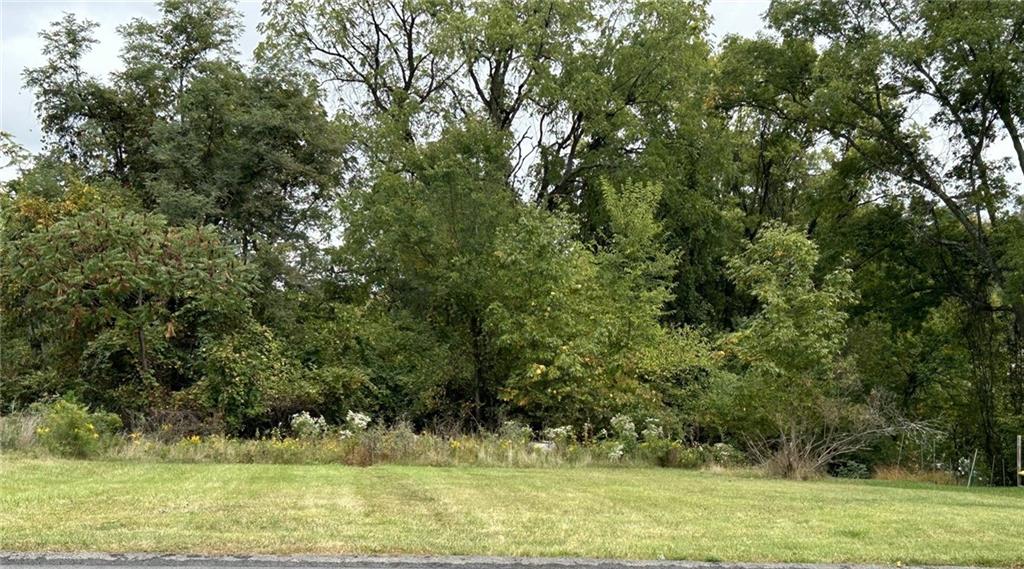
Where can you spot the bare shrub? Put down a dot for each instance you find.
(173, 424)
(803, 449)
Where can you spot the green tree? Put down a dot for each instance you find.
(879, 61)
(190, 132)
(583, 91)
(113, 302)
(793, 397)
(580, 330)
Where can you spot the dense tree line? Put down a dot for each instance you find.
(454, 213)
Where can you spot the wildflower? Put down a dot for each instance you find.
(358, 420)
(561, 434)
(653, 431)
(617, 451)
(515, 431)
(306, 426)
(624, 428)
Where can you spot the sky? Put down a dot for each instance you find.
(22, 20)
(20, 47)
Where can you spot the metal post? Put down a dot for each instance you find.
(1020, 465)
(973, 461)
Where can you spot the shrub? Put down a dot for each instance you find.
(306, 426)
(616, 452)
(399, 443)
(652, 431)
(676, 455)
(850, 469)
(561, 436)
(70, 430)
(382, 445)
(624, 430)
(516, 432)
(356, 421)
(726, 455)
(789, 462)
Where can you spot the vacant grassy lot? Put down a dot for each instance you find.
(634, 513)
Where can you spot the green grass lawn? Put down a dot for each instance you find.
(580, 512)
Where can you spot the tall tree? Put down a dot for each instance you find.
(190, 132)
(892, 77)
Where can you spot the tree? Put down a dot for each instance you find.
(547, 210)
(192, 134)
(775, 156)
(793, 397)
(114, 301)
(578, 330)
(880, 60)
(582, 90)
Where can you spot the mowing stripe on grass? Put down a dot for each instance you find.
(584, 512)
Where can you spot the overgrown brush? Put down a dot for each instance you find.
(71, 430)
(400, 445)
(900, 474)
(18, 430)
(309, 439)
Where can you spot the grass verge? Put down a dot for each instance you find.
(595, 512)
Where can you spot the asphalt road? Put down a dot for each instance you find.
(151, 561)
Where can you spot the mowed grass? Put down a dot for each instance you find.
(582, 512)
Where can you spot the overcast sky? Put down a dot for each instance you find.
(22, 20)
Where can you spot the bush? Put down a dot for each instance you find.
(725, 454)
(516, 432)
(70, 430)
(560, 436)
(652, 432)
(849, 469)
(356, 422)
(306, 426)
(676, 455)
(624, 431)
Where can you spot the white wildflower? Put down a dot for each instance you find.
(358, 421)
(617, 451)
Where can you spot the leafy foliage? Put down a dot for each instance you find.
(70, 430)
(464, 214)
(791, 382)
